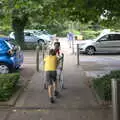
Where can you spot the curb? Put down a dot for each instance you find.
(98, 99)
(15, 96)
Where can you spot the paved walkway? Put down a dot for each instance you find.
(76, 102)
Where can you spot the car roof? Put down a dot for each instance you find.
(4, 38)
(108, 33)
(114, 33)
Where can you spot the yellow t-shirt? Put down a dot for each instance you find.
(50, 63)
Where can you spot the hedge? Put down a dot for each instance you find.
(102, 85)
(8, 85)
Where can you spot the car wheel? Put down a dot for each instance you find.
(41, 41)
(90, 51)
(4, 68)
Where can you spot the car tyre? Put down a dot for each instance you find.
(90, 50)
(5, 68)
(41, 41)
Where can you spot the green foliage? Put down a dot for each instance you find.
(90, 34)
(102, 85)
(62, 33)
(8, 84)
(52, 14)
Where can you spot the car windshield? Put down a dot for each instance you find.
(98, 37)
(38, 33)
(12, 43)
(9, 45)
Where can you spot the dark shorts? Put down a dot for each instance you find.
(50, 76)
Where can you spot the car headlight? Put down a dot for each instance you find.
(82, 44)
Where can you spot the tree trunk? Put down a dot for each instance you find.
(18, 28)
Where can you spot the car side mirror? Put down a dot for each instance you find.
(99, 41)
(16, 47)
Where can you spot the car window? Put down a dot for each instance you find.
(104, 38)
(28, 34)
(4, 45)
(114, 37)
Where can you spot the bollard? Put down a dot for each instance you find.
(37, 58)
(78, 54)
(43, 51)
(118, 98)
(73, 46)
(115, 99)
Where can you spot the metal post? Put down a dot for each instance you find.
(72, 37)
(37, 58)
(77, 54)
(73, 46)
(69, 43)
(43, 50)
(115, 99)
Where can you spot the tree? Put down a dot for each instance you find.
(44, 12)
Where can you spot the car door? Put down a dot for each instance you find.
(115, 42)
(19, 58)
(108, 43)
(29, 37)
(103, 44)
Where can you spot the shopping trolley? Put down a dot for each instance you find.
(60, 71)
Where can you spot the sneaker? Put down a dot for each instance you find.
(56, 93)
(52, 100)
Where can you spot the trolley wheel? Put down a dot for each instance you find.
(61, 82)
(45, 86)
(61, 86)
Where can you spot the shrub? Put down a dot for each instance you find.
(102, 85)
(8, 85)
(90, 34)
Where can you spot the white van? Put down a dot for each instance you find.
(108, 42)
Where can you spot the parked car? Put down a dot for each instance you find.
(41, 35)
(11, 56)
(28, 37)
(107, 42)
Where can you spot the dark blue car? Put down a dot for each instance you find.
(11, 56)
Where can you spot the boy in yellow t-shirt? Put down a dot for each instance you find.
(50, 67)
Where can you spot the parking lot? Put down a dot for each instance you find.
(99, 64)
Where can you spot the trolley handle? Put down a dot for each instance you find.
(62, 57)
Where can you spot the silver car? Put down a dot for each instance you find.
(28, 37)
(108, 42)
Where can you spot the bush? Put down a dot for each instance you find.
(90, 34)
(102, 85)
(8, 85)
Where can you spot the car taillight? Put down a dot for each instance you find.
(10, 52)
